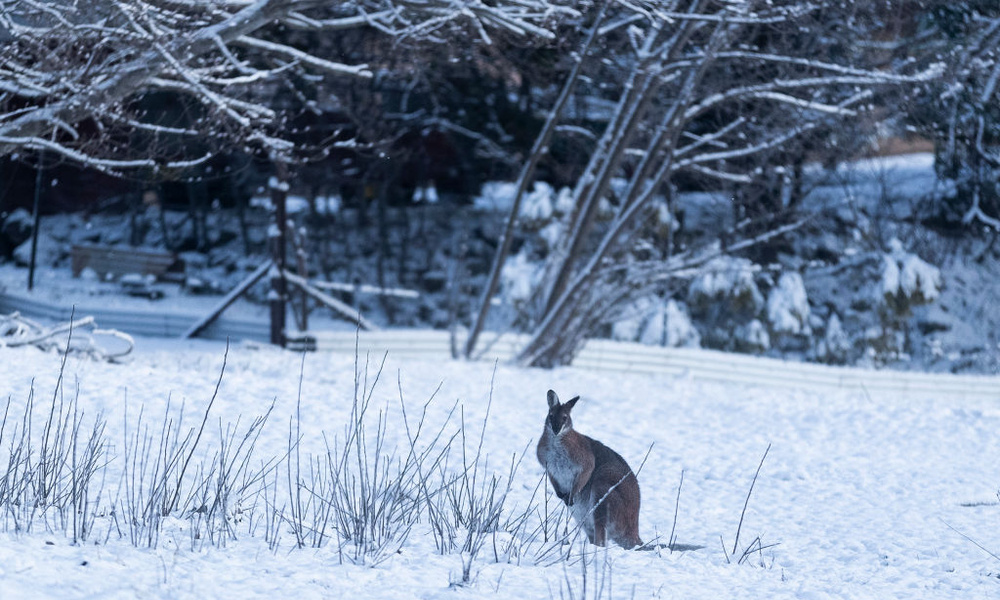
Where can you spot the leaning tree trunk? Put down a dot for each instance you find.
(569, 310)
(688, 113)
(538, 150)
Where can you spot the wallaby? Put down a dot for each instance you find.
(592, 479)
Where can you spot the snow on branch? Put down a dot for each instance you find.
(807, 104)
(297, 20)
(723, 175)
(780, 15)
(304, 57)
(421, 17)
(105, 165)
(63, 63)
(872, 78)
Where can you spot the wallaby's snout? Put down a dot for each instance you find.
(554, 423)
(592, 479)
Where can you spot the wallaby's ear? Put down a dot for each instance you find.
(569, 405)
(553, 399)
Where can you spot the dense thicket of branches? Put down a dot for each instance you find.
(716, 91)
(86, 80)
(623, 101)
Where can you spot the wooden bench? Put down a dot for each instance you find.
(114, 261)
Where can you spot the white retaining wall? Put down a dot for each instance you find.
(599, 355)
(151, 322)
(708, 365)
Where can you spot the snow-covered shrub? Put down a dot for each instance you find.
(630, 322)
(329, 205)
(551, 234)
(49, 251)
(541, 207)
(681, 331)
(564, 201)
(752, 337)
(295, 205)
(518, 279)
(906, 281)
(724, 299)
(654, 322)
(664, 223)
(495, 196)
(835, 345)
(788, 306)
(15, 229)
(729, 281)
(882, 346)
(537, 205)
(427, 194)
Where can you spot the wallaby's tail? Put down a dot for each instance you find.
(675, 547)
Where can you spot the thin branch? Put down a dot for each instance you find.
(307, 59)
(103, 164)
(747, 501)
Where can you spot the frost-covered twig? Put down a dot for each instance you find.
(747, 501)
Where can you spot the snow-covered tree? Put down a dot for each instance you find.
(86, 80)
(966, 123)
(705, 88)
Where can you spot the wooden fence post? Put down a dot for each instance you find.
(36, 219)
(278, 295)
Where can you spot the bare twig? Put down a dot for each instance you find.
(747, 501)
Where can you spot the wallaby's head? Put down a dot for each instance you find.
(559, 420)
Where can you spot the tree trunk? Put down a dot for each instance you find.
(569, 312)
(539, 149)
(37, 213)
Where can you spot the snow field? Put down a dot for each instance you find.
(857, 491)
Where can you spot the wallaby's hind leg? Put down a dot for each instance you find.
(615, 518)
(600, 535)
(624, 527)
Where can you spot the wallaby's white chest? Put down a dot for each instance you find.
(560, 466)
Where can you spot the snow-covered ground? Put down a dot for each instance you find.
(863, 495)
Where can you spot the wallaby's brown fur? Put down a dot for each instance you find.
(592, 479)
